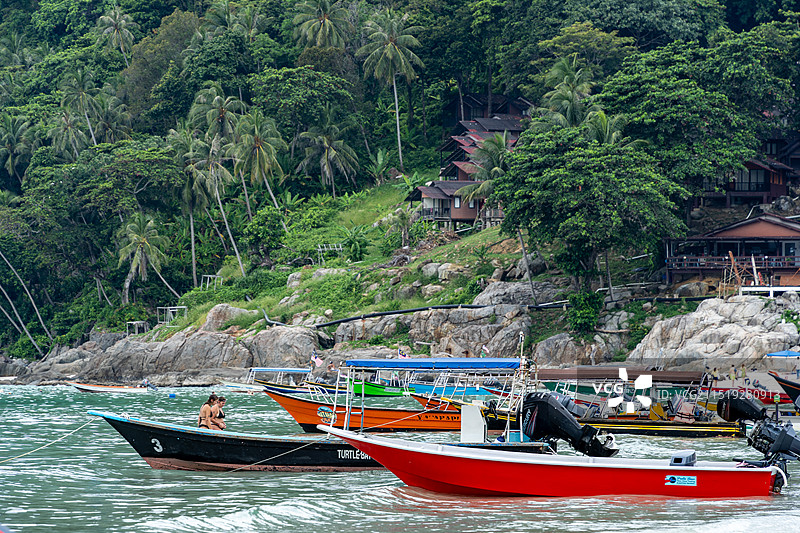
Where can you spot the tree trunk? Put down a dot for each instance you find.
(363, 131)
(410, 115)
(30, 297)
(608, 275)
(165, 283)
(88, 123)
(216, 229)
(126, 287)
(122, 49)
(228, 228)
(194, 254)
(21, 323)
(460, 98)
(275, 203)
(424, 113)
(489, 90)
(397, 119)
(527, 266)
(102, 291)
(246, 198)
(11, 320)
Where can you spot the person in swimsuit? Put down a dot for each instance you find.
(218, 415)
(206, 412)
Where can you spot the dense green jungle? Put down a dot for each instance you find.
(145, 144)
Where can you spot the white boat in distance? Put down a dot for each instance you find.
(85, 387)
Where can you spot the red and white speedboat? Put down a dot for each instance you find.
(489, 473)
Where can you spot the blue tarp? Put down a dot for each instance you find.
(437, 363)
(784, 353)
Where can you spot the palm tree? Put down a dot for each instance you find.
(217, 112)
(249, 23)
(321, 23)
(67, 137)
(20, 323)
(115, 29)
(378, 166)
(79, 94)
(13, 52)
(491, 161)
(400, 221)
(193, 194)
(113, 120)
(354, 241)
(388, 54)
(327, 150)
(565, 105)
(14, 143)
(208, 165)
(141, 243)
(259, 142)
(28, 292)
(219, 18)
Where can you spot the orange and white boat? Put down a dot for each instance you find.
(309, 412)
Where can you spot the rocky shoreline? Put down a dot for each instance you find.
(720, 333)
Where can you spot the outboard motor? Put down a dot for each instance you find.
(778, 441)
(569, 404)
(735, 406)
(545, 418)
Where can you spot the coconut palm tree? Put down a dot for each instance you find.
(566, 103)
(66, 135)
(388, 55)
(219, 18)
(207, 158)
(326, 150)
(79, 95)
(115, 29)
(193, 194)
(321, 23)
(20, 323)
(608, 130)
(215, 111)
(257, 149)
(14, 143)
(141, 243)
(113, 122)
(491, 161)
(249, 22)
(28, 292)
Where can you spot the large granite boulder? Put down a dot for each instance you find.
(221, 314)
(518, 293)
(741, 330)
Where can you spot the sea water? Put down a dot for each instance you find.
(91, 480)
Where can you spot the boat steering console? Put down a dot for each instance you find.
(545, 417)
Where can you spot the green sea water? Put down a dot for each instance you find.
(92, 481)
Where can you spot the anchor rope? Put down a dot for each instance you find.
(280, 454)
(49, 443)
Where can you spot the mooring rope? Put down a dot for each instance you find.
(280, 454)
(49, 443)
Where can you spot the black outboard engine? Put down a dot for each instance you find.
(735, 406)
(778, 441)
(545, 418)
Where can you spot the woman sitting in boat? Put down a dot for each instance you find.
(218, 415)
(206, 412)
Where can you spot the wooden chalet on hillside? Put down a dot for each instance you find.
(474, 106)
(764, 178)
(763, 250)
(441, 204)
